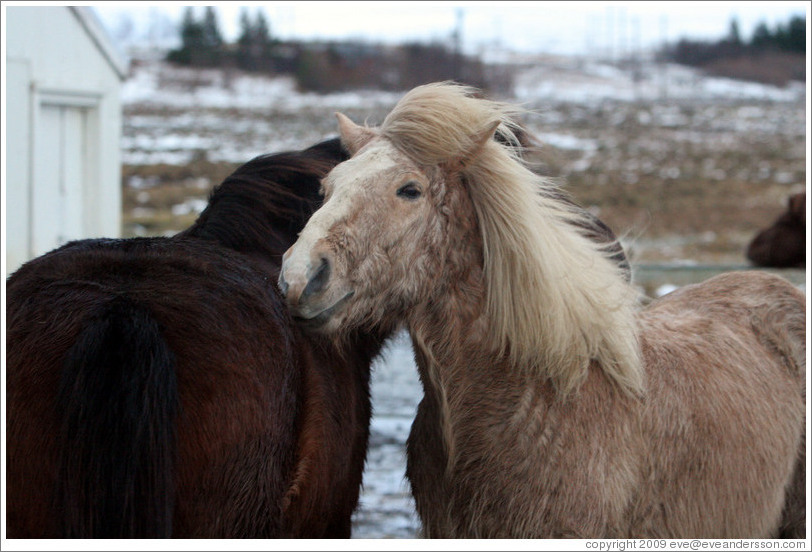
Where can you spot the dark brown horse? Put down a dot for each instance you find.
(783, 244)
(157, 388)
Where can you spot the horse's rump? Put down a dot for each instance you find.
(118, 399)
(726, 388)
(238, 379)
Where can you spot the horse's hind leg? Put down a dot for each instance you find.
(793, 517)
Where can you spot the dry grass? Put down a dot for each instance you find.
(699, 190)
(769, 67)
(150, 193)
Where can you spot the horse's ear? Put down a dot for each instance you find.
(478, 141)
(353, 137)
(797, 207)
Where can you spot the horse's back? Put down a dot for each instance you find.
(766, 305)
(726, 388)
(236, 362)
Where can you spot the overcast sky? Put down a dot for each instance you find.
(552, 27)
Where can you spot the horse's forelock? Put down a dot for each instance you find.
(440, 122)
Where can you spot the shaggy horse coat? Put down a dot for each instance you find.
(555, 406)
(157, 387)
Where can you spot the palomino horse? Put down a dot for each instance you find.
(157, 387)
(555, 406)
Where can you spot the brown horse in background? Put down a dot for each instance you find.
(555, 406)
(157, 387)
(783, 244)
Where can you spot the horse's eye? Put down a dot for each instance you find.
(410, 191)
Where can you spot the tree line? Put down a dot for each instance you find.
(789, 37)
(202, 43)
(325, 66)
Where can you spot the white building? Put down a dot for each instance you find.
(63, 129)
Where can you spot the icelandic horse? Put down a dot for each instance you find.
(158, 387)
(783, 243)
(555, 404)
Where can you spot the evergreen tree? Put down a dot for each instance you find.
(792, 38)
(733, 34)
(212, 39)
(789, 37)
(245, 28)
(254, 43)
(244, 42)
(201, 41)
(762, 37)
(191, 36)
(262, 31)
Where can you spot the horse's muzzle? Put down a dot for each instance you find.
(314, 282)
(306, 287)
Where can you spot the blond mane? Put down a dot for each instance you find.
(555, 301)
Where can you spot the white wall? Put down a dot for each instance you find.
(63, 129)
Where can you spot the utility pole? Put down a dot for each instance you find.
(622, 34)
(636, 55)
(610, 33)
(663, 61)
(456, 38)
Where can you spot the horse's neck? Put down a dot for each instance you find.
(238, 223)
(473, 400)
(453, 348)
(456, 361)
(459, 366)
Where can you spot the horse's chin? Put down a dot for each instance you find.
(327, 320)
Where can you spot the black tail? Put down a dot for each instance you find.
(118, 397)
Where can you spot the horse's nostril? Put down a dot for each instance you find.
(318, 280)
(283, 285)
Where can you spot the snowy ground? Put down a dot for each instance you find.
(172, 113)
(386, 507)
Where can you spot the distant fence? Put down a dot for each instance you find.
(651, 276)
